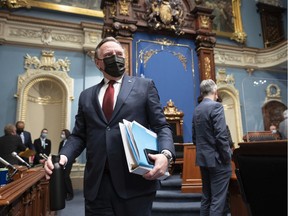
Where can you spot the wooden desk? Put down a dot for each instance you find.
(191, 177)
(26, 196)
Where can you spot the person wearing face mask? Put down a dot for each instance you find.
(26, 139)
(213, 153)
(42, 145)
(274, 130)
(109, 187)
(65, 133)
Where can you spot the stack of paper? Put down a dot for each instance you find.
(136, 141)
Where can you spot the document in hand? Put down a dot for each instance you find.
(138, 141)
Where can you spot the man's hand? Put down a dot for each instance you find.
(160, 166)
(48, 166)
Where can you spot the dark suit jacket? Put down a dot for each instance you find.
(27, 140)
(210, 134)
(9, 144)
(137, 100)
(39, 149)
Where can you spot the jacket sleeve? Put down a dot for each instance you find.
(220, 133)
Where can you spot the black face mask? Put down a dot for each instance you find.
(19, 131)
(114, 65)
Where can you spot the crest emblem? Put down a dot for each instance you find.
(165, 14)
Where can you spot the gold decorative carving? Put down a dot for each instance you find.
(172, 113)
(14, 3)
(87, 8)
(145, 56)
(223, 79)
(273, 91)
(207, 67)
(112, 10)
(47, 62)
(165, 14)
(124, 7)
(204, 21)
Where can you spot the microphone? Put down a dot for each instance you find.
(9, 166)
(14, 154)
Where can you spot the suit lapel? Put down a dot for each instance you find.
(127, 84)
(95, 101)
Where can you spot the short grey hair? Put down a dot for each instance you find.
(207, 87)
(9, 129)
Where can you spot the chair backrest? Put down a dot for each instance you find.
(175, 118)
(261, 170)
(252, 136)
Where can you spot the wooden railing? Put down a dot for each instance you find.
(27, 195)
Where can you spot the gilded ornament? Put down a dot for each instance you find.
(171, 112)
(165, 14)
(124, 7)
(204, 21)
(47, 62)
(112, 10)
(14, 3)
(207, 67)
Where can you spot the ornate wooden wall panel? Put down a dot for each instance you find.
(185, 19)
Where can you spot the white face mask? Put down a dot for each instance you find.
(63, 136)
(274, 131)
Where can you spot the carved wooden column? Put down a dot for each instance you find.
(205, 42)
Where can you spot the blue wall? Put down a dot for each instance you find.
(171, 78)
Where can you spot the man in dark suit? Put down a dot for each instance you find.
(9, 143)
(25, 137)
(109, 188)
(213, 153)
(42, 145)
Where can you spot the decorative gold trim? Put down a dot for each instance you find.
(207, 67)
(204, 21)
(144, 56)
(273, 92)
(65, 8)
(239, 35)
(124, 7)
(47, 62)
(172, 113)
(14, 4)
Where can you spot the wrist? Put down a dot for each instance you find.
(168, 155)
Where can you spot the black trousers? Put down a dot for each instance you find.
(108, 203)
